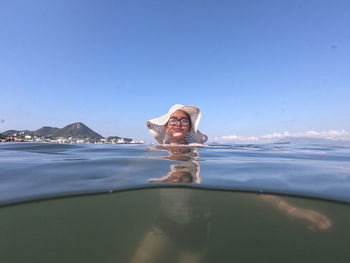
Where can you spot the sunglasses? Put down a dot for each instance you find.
(183, 122)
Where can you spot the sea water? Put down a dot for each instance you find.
(145, 203)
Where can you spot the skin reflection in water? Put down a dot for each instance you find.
(186, 172)
(182, 225)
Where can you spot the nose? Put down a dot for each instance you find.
(178, 123)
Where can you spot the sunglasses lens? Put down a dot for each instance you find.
(185, 122)
(174, 121)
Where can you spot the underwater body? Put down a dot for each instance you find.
(147, 203)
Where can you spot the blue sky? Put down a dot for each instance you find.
(254, 67)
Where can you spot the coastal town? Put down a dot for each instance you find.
(75, 133)
(23, 137)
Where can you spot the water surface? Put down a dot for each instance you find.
(30, 171)
(147, 203)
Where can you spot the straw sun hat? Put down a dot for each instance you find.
(157, 126)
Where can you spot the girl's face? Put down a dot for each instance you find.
(179, 124)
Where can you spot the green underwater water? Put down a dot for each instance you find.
(172, 225)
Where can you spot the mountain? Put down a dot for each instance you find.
(46, 131)
(77, 130)
(74, 130)
(9, 132)
(13, 132)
